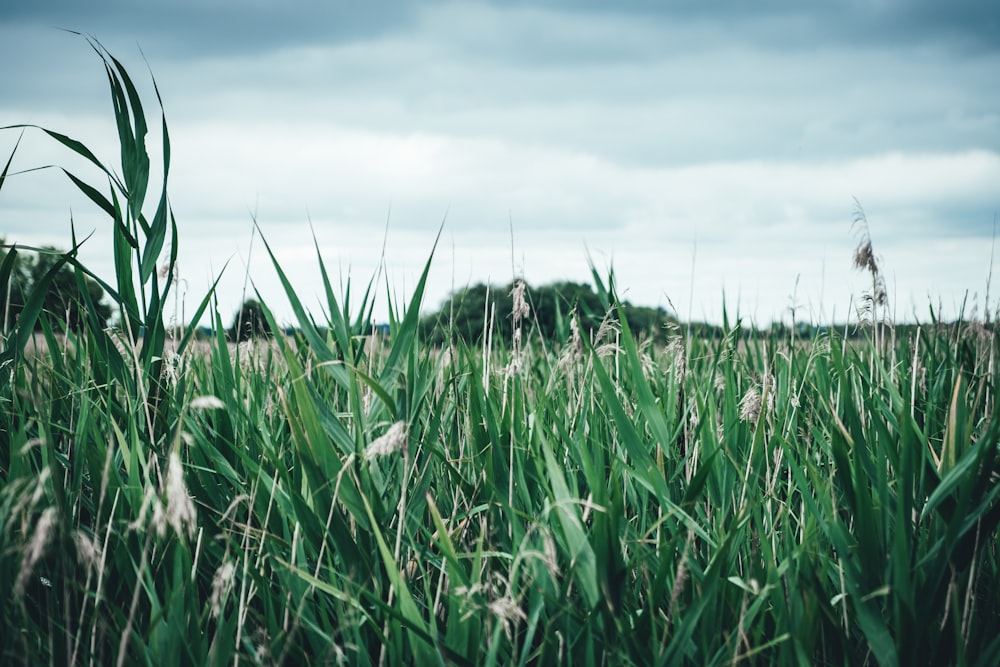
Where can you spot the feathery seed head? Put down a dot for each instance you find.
(206, 403)
(575, 339)
(391, 441)
(750, 405)
(180, 512)
(222, 582)
(148, 500)
(36, 549)
(514, 367)
(520, 309)
(551, 556)
(508, 612)
(864, 258)
(173, 367)
(88, 550)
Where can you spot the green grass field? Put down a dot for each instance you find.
(339, 498)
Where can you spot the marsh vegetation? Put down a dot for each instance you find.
(589, 498)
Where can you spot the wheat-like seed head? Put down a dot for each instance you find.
(222, 582)
(180, 512)
(750, 405)
(508, 612)
(680, 577)
(391, 441)
(206, 403)
(36, 549)
(864, 258)
(520, 309)
(88, 549)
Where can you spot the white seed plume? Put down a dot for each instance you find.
(180, 513)
(513, 368)
(173, 367)
(206, 403)
(148, 500)
(43, 478)
(516, 338)
(508, 612)
(391, 441)
(30, 502)
(36, 548)
(606, 338)
(649, 366)
(159, 516)
(551, 557)
(571, 357)
(261, 641)
(221, 585)
(520, 309)
(575, 339)
(88, 550)
(750, 405)
(680, 577)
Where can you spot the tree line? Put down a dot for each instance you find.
(22, 273)
(467, 314)
(472, 311)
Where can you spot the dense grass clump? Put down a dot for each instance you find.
(341, 496)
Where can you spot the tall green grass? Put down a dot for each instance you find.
(338, 497)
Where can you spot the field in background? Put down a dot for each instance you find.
(593, 501)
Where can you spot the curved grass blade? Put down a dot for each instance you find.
(406, 333)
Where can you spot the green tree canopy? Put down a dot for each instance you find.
(15, 279)
(467, 313)
(64, 303)
(249, 322)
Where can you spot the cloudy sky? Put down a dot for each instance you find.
(710, 152)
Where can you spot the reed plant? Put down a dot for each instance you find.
(340, 497)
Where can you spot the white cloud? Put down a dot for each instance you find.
(638, 136)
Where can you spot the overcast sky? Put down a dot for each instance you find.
(708, 151)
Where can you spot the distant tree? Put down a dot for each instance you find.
(63, 303)
(646, 320)
(554, 304)
(249, 322)
(467, 313)
(14, 284)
